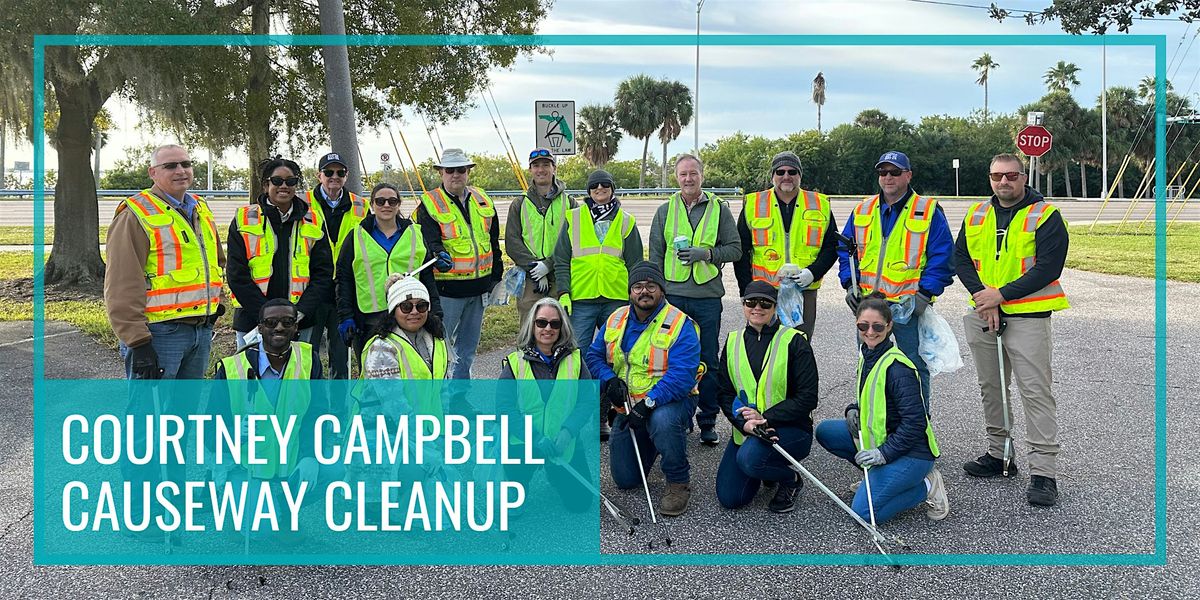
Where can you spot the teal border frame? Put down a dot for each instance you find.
(1158, 42)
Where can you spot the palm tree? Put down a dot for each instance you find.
(675, 107)
(984, 64)
(598, 133)
(638, 112)
(1062, 77)
(1147, 87)
(818, 96)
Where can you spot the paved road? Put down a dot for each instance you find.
(1103, 380)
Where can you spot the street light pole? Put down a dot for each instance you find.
(696, 92)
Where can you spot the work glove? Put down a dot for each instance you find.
(617, 392)
(212, 319)
(444, 262)
(852, 299)
(539, 270)
(788, 271)
(870, 458)
(803, 279)
(920, 303)
(565, 301)
(639, 415)
(693, 254)
(347, 330)
(144, 361)
(853, 420)
(541, 286)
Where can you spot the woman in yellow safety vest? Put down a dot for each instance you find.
(887, 431)
(383, 243)
(546, 351)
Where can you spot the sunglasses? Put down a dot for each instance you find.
(332, 172)
(408, 306)
(380, 201)
(603, 184)
(273, 322)
(878, 327)
(762, 303)
(1011, 175)
(786, 172)
(170, 166)
(554, 324)
(889, 172)
(458, 170)
(539, 153)
(288, 181)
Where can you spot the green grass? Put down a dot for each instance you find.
(1130, 252)
(22, 235)
(17, 265)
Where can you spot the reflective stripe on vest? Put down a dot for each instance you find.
(540, 232)
(898, 259)
(183, 277)
(647, 360)
(466, 238)
(260, 242)
(409, 362)
(872, 401)
(358, 209)
(703, 236)
(597, 267)
(293, 400)
(550, 414)
(999, 267)
(773, 244)
(372, 265)
(771, 386)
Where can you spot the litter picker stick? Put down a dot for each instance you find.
(162, 465)
(638, 452)
(867, 483)
(1004, 397)
(617, 511)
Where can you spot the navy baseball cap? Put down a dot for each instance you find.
(896, 158)
(329, 159)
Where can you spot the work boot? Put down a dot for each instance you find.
(1043, 491)
(939, 503)
(854, 486)
(675, 501)
(784, 500)
(708, 436)
(989, 466)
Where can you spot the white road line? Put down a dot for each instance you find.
(26, 340)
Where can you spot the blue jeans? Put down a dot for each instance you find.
(665, 434)
(464, 323)
(182, 350)
(706, 312)
(588, 315)
(744, 468)
(895, 487)
(908, 340)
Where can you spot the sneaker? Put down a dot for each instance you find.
(854, 486)
(784, 500)
(708, 436)
(989, 466)
(605, 429)
(768, 484)
(939, 504)
(1043, 491)
(675, 501)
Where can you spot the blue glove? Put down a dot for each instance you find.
(870, 458)
(444, 262)
(346, 330)
(740, 402)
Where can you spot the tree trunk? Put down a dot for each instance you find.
(343, 132)
(818, 118)
(1067, 178)
(75, 260)
(985, 101)
(663, 184)
(1121, 188)
(642, 173)
(1083, 180)
(258, 96)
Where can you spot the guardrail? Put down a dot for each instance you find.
(243, 194)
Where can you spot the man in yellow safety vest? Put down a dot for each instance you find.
(534, 221)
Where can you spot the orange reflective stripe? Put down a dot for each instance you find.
(979, 214)
(1027, 263)
(1033, 216)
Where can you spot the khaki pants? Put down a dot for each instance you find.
(529, 296)
(1027, 355)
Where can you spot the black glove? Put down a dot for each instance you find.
(145, 362)
(920, 303)
(617, 392)
(852, 299)
(852, 420)
(212, 319)
(639, 416)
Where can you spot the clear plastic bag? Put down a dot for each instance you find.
(791, 304)
(512, 285)
(902, 311)
(938, 347)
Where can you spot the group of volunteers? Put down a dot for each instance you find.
(407, 294)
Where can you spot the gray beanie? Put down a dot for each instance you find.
(647, 271)
(786, 158)
(600, 176)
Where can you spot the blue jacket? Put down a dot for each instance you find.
(906, 415)
(681, 368)
(939, 248)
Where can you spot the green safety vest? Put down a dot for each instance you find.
(548, 414)
(597, 267)
(373, 264)
(540, 232)
(259, 239)
(411, 367)
(892, 265)
(1015, 257)
(771, 386)
(350, 221)
(704, 236)
(646, 362)
(773, 245)
(467, 238)
(292, 400)
(872, 401)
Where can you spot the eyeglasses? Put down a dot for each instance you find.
(332, 172)
(380, 201)
(1011, 175)
(878, 327)
(288, 181)
(889, 172)
(539, 153)
(458, 170)
(170, 166)
(554, 324)
(603, 184)
(762, 303)
(408, 306)
(273, 322)
(639, 288)
(786, 172)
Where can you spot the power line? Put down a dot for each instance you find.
(1016, 10)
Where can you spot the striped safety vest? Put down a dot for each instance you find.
(646, 362)
(892, 264)
(373, 264)
(771, 386)
(540, 232)
(997, 268)
(260, 242)
(467, 238)
(549, 414)
(872, 401)
(598, 269)
(246, 398)
(774, 245)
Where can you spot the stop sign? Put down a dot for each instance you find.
(1034, 140)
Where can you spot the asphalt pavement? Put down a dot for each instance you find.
(1103, 380)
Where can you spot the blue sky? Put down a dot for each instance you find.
(765, 90)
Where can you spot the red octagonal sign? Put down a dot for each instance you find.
(1034, 140)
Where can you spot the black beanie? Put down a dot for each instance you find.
(647, 271)
(600, 176)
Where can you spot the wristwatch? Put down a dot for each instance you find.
(649, 402)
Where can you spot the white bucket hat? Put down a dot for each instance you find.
(453, 157)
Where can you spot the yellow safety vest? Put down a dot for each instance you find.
(773, 246)
(358, 210)
(259, 239)
(872, 401)
(372, 265)
(411, 367)
(597, 268)
(548, 414)
(647, 360)
(771, 386)
(292, 400)
(540, 232)
(467, 239)
(892, 265)
(183, 277)
(999, 268)
(704, 236)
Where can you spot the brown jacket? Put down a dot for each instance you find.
(125, 278)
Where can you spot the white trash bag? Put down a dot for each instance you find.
(512, 285)
(791, 304)
(938, 346)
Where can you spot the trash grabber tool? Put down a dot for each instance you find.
(1004, 397)
(867, 483)
(162, 465)
(617, 511)
(851, 251)
(642, 471)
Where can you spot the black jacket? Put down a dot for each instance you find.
(433, 239)
(347, 291)
(544, 371)
(795, 409)
(906, 415)
(237, 269)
